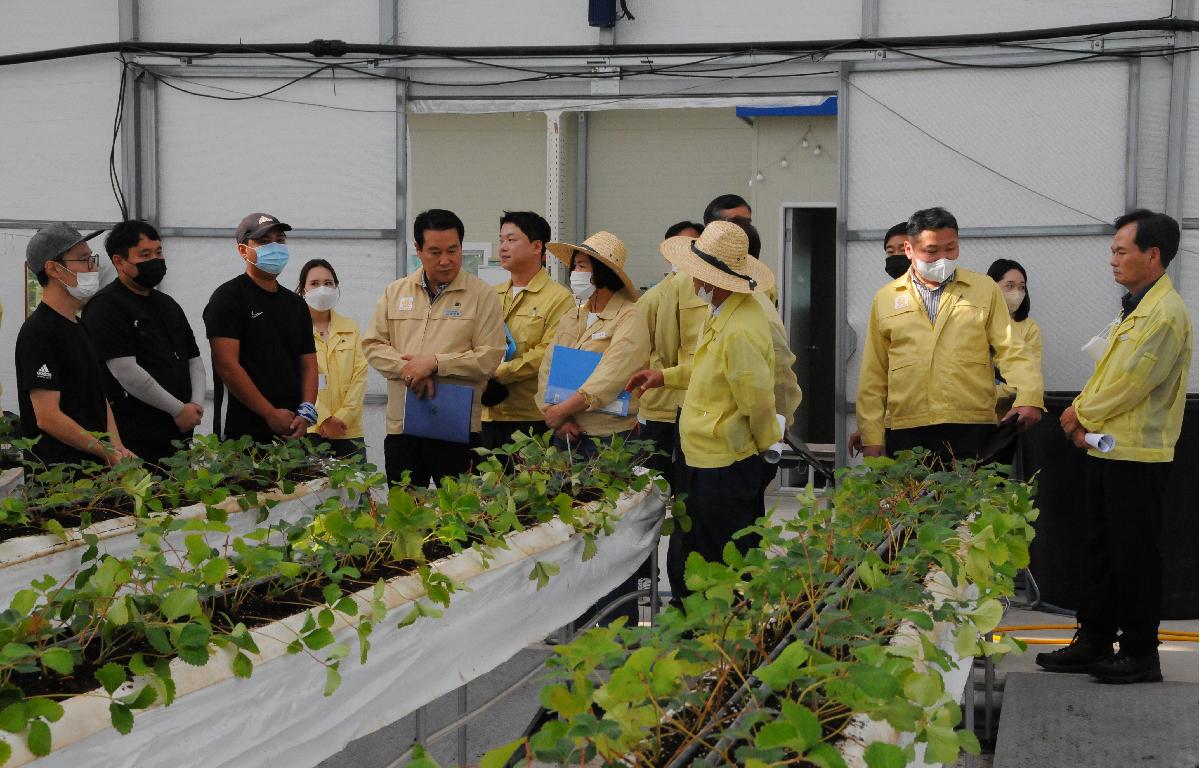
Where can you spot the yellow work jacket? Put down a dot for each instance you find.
(342, 369)
(674, 316)
(915, 372)
(729, 408)
(1029, 332)
(1138, 389)
(532, 317)
(787, 387)
(619, 334)
(462, 328)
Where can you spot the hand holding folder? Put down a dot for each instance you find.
(445, 415)
(569, 369)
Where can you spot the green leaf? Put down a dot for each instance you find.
(874, 682)
(542, 571)
(16, 651)
(5, 751)
(987, 615)
(804, 720)
(968, 741)
(498, 757)
(881, 755)
(242, 666)
(59, 660)
(38, 738)
(118, 612)
(923, 688)
(214, 570)
(47, 709)
(181, 602)
(333, 679)
(111, 676)
(122, 717)
(24, 601)
(942, 745)
(318, 639)
(777, 734)
(14, 717)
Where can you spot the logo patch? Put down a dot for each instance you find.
(406, 303)
(265, 219)
(456, 312)
(43, 373)
(902, 301)
(254, 314)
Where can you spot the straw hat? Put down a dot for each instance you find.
(721, 258)
(604, 247)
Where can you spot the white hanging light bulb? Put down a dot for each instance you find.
(759, 176)
(783, 163)
(817, 150)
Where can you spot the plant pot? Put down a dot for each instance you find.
(27, 558)
(280, 717)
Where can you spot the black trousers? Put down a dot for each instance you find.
(154, 451)
(946, 441)
(425, 458)
(498, 433)
(665, 436)
(1122, 561)
(343, 447)
(720, 502)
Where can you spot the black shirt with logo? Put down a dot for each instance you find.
(54, 353)
(155, 332)
(274, 329)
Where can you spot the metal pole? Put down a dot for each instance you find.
(419, 725)
(989, 684)
(462, 729)
(581, 177)
(655, 598)
(969, 711)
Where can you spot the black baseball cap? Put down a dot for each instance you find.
(255, 225)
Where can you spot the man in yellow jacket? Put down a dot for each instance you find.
(1136, 395)
(438, 325)
(926, 378)
(532, 304)
(728, 417)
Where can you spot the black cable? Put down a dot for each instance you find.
(114, 178)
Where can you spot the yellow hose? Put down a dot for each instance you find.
(1166, 635)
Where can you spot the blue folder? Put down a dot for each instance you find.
(569, 369)
(445, 416)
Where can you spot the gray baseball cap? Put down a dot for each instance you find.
(51, 242)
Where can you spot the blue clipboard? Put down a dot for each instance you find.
(445, 416)
(569, 369)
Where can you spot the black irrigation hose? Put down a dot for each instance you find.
(338, 48)
(695, 745)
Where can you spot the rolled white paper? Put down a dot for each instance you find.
(773, 454)
(1101, 442)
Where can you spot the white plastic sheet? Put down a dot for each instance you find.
(9, 479)
(280, 717)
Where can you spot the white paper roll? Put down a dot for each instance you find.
(1101, 442)
(773, 454)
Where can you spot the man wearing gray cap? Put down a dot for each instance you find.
(60, 388)
(262, 341)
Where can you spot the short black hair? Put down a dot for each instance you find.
(439, 220)
(930, 218)
(897, 229)
(1001, 267)
(531, 225)
(126, 235)
(602, 275)
(722, 203)
(679, 226)
(755, 247)
(42, 278)
(308, 267)
(1154, 230)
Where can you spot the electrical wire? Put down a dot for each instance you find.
(114, 178)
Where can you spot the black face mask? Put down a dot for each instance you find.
(150, 273)
(895, 266)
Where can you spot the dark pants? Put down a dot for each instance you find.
(1122, 562)
(665, 436)
(154, 451)
(426, 459)
(343, 448)
(585, 447)
(946, 441)
(498, 433)
(720, 502)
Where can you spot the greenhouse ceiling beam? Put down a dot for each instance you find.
(1047, 230)
(298, 232)
(336, 48)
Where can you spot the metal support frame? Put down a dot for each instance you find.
(581, 176)
(400, 233)
(1133, 111)
(843, 350)
(555, 196)
(1181, 72)
(131, 126)
(1048, 230)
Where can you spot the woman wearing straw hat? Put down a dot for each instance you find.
(605, 320)
(728, 416)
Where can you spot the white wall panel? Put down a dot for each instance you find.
(312, 166)
(1189, 288)
(1153, 128)
(945, 17)
(1058, 130)
(263, 21)
(56, 129)
(487, 23)
(1191, 164)
(196, 266)
(659, 21)
(34, 25)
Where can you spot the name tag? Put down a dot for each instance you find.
(455, 312)
(599, 335)
(902, 301)
(406, 303)
(321, 381)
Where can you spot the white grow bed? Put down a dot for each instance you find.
(28, 558)
(280, 716)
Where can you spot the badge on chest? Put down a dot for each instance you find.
(406, 304)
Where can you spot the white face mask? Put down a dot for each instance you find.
(1013, 299)
(581, 286)
(322, 299)
(705, 294)
(936, 271)
(87, 283)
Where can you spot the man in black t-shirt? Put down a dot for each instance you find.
(59, 384)
(154, 377)
(262, 340)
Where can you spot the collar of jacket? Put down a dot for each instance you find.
(340, 324)
(614, 304)
(1152, 297)
(728, 307)
(535, 284)
(457, 284)
(964, 276)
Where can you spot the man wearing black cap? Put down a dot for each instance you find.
(155, 376)
(262, 341)
(59, 384)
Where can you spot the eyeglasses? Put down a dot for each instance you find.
(92, 260)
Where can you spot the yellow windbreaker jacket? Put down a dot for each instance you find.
(620, 336)
(343, 370)
(1138, 389)
(729, 409)
(915, 373)
(674, 315)
(532, 316)
(462, 328)
(1031, 333)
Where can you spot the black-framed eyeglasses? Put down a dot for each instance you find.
(92, 260)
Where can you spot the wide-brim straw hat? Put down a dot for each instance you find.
(604, 247)
(720, 257)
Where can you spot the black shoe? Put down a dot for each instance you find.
(1128, 669)
(1080, 656)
